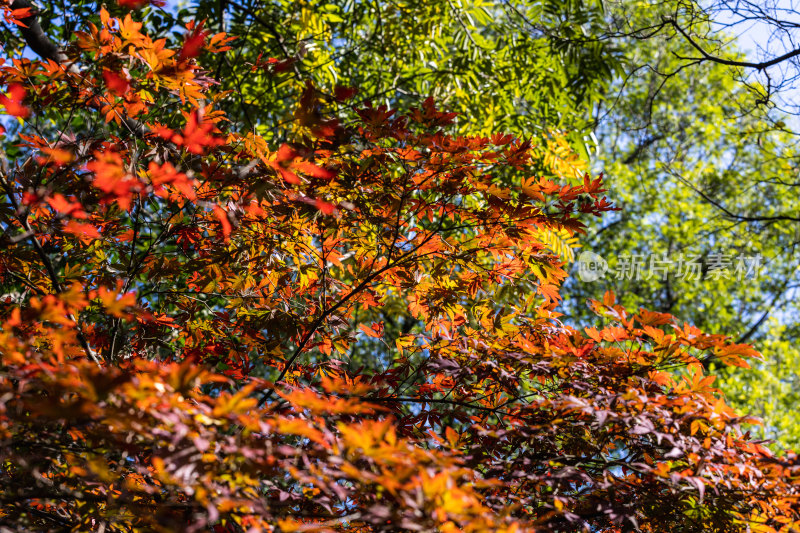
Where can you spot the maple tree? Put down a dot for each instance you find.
(181, 298)
(587, 73)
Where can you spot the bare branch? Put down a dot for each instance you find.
(730, 62)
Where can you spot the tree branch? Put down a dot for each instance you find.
(48, 265)
(35, 36)
(730, 62)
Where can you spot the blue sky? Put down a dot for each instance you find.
(760, 42)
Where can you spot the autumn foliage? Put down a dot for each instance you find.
(355, 328)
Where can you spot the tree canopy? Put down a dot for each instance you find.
(261, 271)
(702, 172)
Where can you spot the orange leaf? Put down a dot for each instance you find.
(58, 156)
(113, 305)
(111, 177)
(66, 207)
(86, 233)
(452, 437)
(167, 174)
(375, 331)
(222, 216)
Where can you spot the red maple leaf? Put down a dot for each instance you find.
(13, 101)
(342, 93)
(86, 233)
(167, 174)
(111, 177)
(287, 161)
(224, 221)
(66, 207)
(326, 207)
(115, 83)
(16, 16)
(196, 136)
(194, 42)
